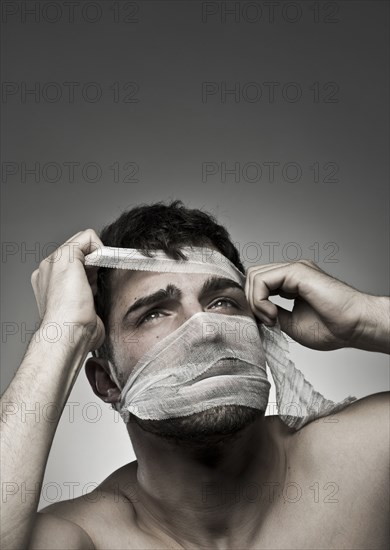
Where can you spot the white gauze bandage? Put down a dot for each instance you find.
(212, 359)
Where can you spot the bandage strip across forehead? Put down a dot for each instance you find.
(210, 360)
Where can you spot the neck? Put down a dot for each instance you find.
(214, 491)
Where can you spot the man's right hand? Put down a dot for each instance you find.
(64, 290)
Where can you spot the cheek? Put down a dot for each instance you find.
(130, 345)
(129, 349)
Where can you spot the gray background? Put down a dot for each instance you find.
(336, 211)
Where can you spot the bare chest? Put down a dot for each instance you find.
(304, 514)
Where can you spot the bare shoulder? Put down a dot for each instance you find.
(56, 533)
(356, 439)
(339, 467)
(76, 523)
(363, 426)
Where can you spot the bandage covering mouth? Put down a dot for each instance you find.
(212, 359)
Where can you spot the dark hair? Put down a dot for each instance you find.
(160, 226)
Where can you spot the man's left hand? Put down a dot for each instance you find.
(327, 313)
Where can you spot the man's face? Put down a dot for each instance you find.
(146, 307)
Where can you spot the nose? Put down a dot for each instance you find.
(190, 306)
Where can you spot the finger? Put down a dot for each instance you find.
(37, 294)
(291, 279)
(73, 236)
(283, 316)
(92, 276)
(285, 320)
(267, 314)
(75, 248)
(283, 280)
(257, 291)
(34, 280)
(87, 241)
(251, 273)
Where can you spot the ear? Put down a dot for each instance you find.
(98, 373)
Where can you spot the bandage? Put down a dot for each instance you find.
(212, 359)
(199, 260)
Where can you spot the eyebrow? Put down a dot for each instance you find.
(172, 292)
(214, 284)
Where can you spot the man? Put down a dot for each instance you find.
(229, 477)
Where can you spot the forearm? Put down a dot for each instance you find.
(42, 384)
(375, 332)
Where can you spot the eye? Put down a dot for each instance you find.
(148, 316)
(227, 303)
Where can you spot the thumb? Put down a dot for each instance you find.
(285, 321)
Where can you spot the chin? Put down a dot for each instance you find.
(214, 425)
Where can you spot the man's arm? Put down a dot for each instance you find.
(374, 335)
(327, 314)
(70, 328)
